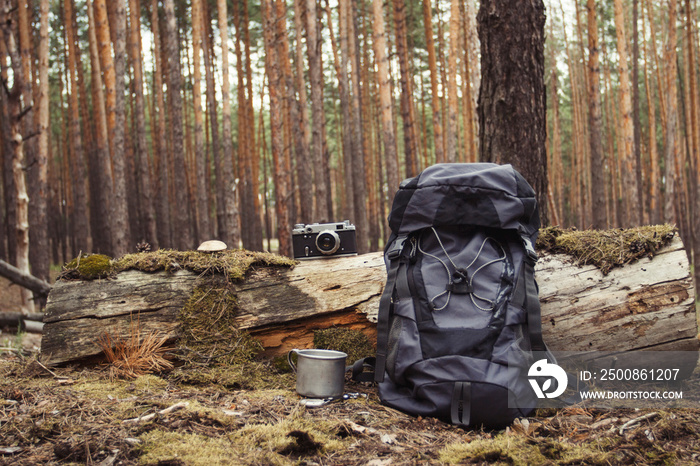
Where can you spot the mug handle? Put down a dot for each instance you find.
(289, 359)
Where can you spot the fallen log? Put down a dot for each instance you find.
(12, 273)
(649, 304)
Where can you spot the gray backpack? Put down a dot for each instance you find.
(459, 317)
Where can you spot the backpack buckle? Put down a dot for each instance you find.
(396, 248)
(529, 249)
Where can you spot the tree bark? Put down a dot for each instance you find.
(648, 304)
(146, 208)
(406, 82)
(163, 196)
(281, 170)
(313, 47)
(629, 173)
(452, 98)
(203, 228)
(595, 120)
(183, 238)
(385, 100)
(512, 122)
(434, 94)
(102, 238)
(80, 199)
(38, 236)
(359, 188)
(229, 208)
(672, 149)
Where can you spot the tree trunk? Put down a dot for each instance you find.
(626, 153)
(672, 148)
(183, 239)
(406, 81)
(595, 120)
(163, 224)
(385, 101)
(512, 121)
(147, 212)
(359, 189)
(280, 171)
(39, 239)
(102, 238)
(432, 67)
(452, 98)
(635, 112)
(203, 228)
(313, 47)
(80, 200)
(648, 304)
(15, 113)
(229, 208)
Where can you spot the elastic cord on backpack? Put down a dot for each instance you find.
(450, 282)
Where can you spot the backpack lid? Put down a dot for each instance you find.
(469, 194)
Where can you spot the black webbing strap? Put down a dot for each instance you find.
(394, 255)
(461, 403)
(532, 302)
(358, 369)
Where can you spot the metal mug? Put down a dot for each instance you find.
(320, 372)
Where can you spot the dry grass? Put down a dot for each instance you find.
(135, 356)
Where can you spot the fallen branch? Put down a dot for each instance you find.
(637, 420)
(24, 280)
(31, 322)
(162, 412)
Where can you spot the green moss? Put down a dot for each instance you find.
(251, 375)
(209, 332)
(88, 267)
(233, 264)
(352, 342)
(519, 450)
(606, 249)
(160, 447)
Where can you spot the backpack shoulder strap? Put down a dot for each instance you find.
(393, 254)
(526, 295)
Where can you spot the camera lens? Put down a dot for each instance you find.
(327, 242)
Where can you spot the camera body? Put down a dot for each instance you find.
(324, 240)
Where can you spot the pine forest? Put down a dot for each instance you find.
(129, 124)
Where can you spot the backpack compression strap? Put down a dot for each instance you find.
(394, 255)
(526, 296)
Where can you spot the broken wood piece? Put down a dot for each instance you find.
(162, 412)
(648, 304)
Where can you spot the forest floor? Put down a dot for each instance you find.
(77, 415)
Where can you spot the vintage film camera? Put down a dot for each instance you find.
(324, 240)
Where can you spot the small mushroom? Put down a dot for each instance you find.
(212, 246)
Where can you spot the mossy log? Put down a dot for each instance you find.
(646, 304)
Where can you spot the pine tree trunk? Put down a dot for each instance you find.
(39, 238)
(407, 111)
(359, 189)
(385, 101)
(672, 149)
(635, 113)
(629, 173)
(303, 161)
(512, 104)
(80, 220)
(16, 111)
(163, 224)
(313, 47)
(147, 212)
(229, 208)
(452, 105)
(654, 177)
(280, 171)
(595, 121)
(432, 67)
(203, 229)
(182, 236)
